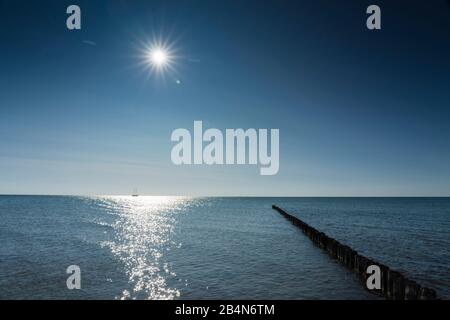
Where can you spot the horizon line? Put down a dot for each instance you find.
(226, 196)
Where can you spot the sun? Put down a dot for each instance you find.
(158, 57)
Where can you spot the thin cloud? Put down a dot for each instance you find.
(89, 42)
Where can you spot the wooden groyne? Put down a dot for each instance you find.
(394, 285)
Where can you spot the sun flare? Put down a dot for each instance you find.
(158, 57)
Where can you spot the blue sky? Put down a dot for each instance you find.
(360, 113)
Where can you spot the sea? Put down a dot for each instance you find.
(151, 247)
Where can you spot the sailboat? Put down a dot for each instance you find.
(135, 193)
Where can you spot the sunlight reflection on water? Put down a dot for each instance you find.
(142, 236)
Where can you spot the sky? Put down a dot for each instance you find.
(360, 112)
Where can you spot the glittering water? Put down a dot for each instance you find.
(212, 248)
(143, 235)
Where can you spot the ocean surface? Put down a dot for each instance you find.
(213, 248)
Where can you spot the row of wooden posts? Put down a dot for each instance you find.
(394, 285)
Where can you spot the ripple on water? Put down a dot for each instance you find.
(142, 235)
